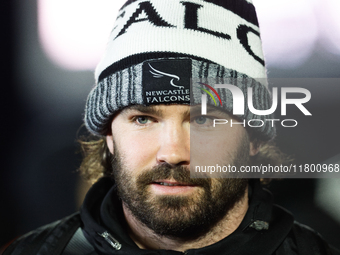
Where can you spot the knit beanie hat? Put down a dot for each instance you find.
(158, 48)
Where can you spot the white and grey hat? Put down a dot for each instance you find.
(157, 47)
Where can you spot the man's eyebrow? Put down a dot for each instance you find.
(144, 109)
(196, 110)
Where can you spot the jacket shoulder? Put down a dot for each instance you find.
(309, 237)
(304, 240)
(48, 239)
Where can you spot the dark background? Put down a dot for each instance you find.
(38, 177)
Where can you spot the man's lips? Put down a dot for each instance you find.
(171, 187)
(171, 183)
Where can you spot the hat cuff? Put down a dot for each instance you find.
(124, 88)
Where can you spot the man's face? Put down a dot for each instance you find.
(151, 148)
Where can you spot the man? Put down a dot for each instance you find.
(147, 113)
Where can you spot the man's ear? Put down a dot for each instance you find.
(109, 143)
(254, 148)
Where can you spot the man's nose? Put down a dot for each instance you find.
(174, 145)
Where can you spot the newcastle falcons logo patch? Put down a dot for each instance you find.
(166, 81)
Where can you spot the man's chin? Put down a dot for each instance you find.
(175, 216)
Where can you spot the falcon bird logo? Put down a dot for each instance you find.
(158, 74)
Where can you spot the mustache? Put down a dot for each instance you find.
(166, 171)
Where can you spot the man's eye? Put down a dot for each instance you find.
(142, 120)
(201, 120)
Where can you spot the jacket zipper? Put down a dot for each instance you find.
(111, 240)
(114, 243)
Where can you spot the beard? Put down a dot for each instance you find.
(179, 216)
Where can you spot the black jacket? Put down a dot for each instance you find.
(100, 228)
